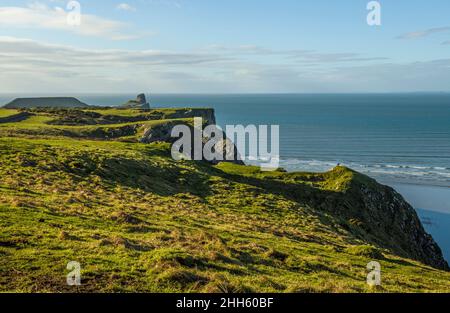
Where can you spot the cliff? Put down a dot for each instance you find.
(139, 103)
(378, 214)
(83, 185)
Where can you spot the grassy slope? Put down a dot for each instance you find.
(6, 112)
(37, 126)
(138, 221)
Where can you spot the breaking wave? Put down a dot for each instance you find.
(409, 173)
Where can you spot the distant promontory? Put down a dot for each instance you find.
(139, 103)
(59, 102)
(70, 103)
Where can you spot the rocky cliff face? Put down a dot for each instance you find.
(139, 103)
(378, 214)
(162, 132)
(403, 230)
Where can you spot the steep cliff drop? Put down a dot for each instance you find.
(378, 214)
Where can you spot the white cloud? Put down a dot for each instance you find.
(125, 7)
(44, 67)
(301, 56)
(38, 15)
(169, 3)
(424, 33)
(29, 51)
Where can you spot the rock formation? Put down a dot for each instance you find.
(162, 132)
(139, 103)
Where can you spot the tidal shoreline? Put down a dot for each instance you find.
(426, 197)
(432, 204)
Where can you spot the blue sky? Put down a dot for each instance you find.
(224, 46)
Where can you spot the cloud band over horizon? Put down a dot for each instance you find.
(115, 48)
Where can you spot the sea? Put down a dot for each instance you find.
(402, 140)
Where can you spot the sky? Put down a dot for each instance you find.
(224, 46)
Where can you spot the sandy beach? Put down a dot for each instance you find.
(433, 207)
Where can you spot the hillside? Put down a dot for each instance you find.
(81, 185)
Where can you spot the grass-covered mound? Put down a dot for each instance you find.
(137, 220)
(98, 124)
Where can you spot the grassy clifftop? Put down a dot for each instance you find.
(137, 220)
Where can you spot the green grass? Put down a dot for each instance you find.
(138, 221)
(119, 112)
(138, 112)
(40, 125)
(7, 112)
(103, 124)
(35, 121)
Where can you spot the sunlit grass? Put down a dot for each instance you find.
(7, 112)
(138, 221)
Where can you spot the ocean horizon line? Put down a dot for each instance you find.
(229, 93)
